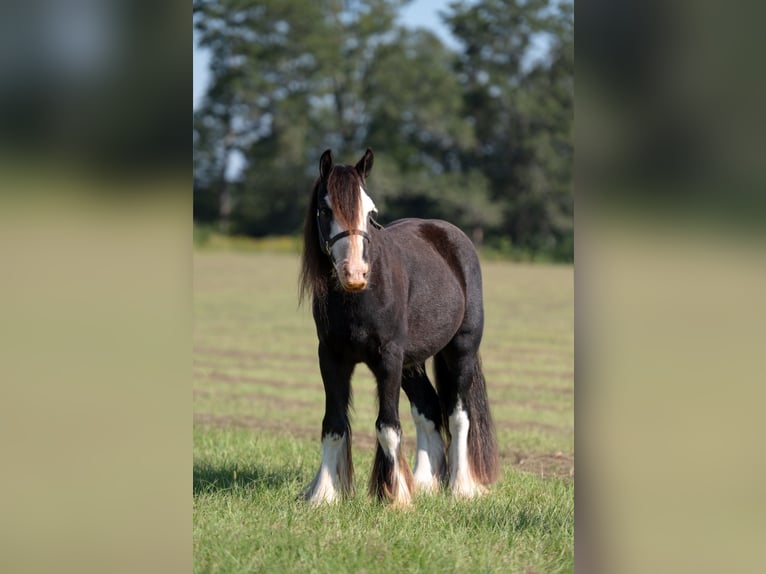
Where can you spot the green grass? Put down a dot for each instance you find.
(246, 518)
(206, 238)
(258, 406)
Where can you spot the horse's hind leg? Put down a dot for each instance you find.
(336, 473)
(430, 464)
(473, 456)
(391, 479)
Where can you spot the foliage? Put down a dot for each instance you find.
(481, 135)
(522, 111)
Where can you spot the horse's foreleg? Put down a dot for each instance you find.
(430, 466)
(335, 477)
(391, 478)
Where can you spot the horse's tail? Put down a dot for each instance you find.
(482, 453)
(482, 441)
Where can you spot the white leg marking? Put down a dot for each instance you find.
(326, 485)
(429, 459)
(389, 442)
(461, 480)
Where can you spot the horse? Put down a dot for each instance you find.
(391, 297)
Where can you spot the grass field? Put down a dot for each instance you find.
(258, 407)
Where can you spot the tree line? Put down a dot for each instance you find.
(480, 135)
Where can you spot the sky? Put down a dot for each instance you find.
(418, 14)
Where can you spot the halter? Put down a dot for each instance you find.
(328, 243)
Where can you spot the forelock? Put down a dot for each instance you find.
(343, 190)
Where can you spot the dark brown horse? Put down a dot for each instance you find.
(391, 298)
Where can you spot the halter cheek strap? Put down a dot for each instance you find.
(328, 243)
(334, 239)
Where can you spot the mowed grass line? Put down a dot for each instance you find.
(258, 407)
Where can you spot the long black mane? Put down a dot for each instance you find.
(315, 266)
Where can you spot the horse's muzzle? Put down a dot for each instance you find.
(353, 278)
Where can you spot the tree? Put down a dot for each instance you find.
(519, 98)
(287, 81)
(481, 137)
(414, 103)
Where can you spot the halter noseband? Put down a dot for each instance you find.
(327, 244)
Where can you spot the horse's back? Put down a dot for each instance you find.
(441, 234)
(423, 237)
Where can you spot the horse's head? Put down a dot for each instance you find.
(343, 218)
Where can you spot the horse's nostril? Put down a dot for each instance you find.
(350, 272)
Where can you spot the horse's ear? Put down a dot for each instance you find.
(325, 164)
(364, 165)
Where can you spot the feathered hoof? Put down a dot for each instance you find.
(392, 481)
(466, 487)
(320, 492)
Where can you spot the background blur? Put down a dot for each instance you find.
(95, 296)
(95, 285)
(670, 283)
(474, 126)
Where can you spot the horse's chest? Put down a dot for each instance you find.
(361, 330)
(360, 336)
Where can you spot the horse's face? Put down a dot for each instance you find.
(350, 254)
(344, 211)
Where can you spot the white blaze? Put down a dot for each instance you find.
(350, 250)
